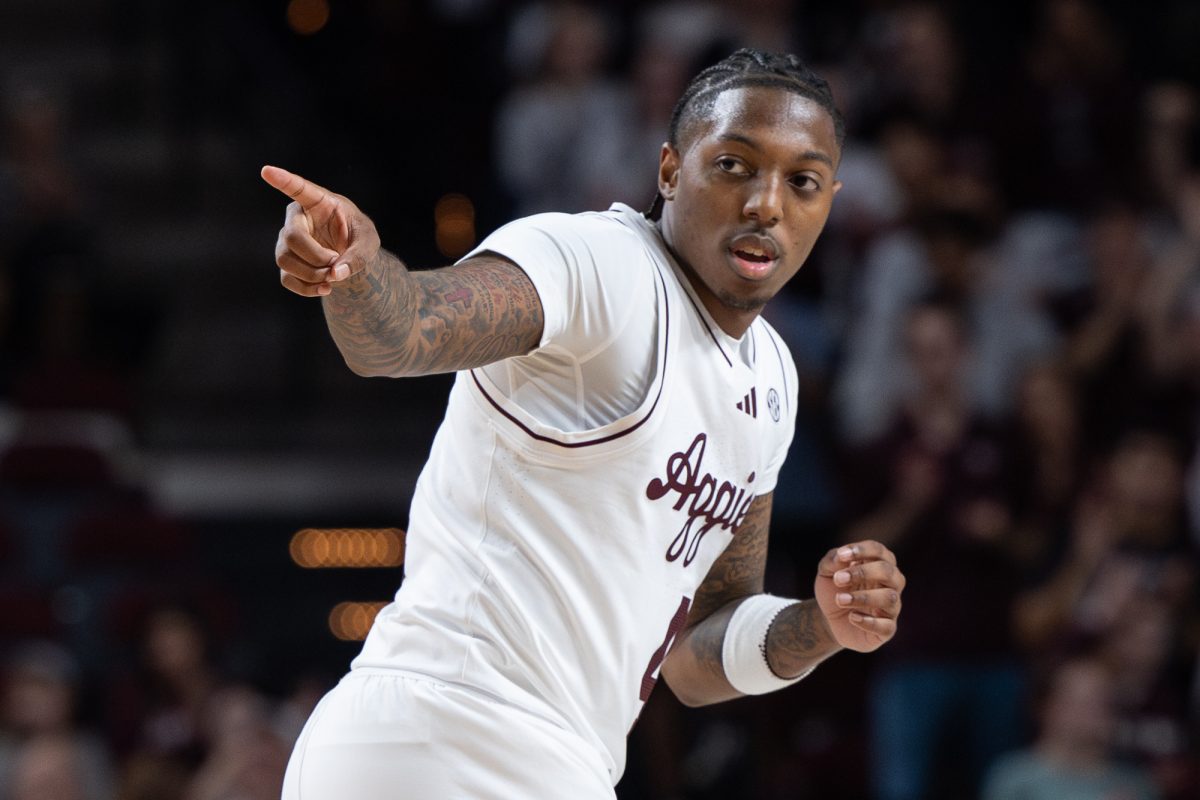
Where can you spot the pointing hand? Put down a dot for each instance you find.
(325, 237)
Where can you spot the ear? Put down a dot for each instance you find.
(837, 186)
(668, 171)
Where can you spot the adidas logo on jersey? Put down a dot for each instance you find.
(749, 403)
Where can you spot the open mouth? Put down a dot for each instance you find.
(757, 256)
(754, 257)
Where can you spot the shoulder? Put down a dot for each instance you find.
(618, 242)
(594, 229)
(592, 271)
(615, 247)
(593, 246)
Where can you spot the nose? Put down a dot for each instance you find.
(765, 201)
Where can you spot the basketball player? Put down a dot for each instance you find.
(594, 510)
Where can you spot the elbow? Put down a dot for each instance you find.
(384, 365)
(678, 686)
(361, 370)
(366, 369)
(694, 699)
(690, 700)
(690, 692)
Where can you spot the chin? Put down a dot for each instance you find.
(742, 302)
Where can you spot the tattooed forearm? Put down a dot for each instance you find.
(694, 668)
(389, 321)
(799, 639)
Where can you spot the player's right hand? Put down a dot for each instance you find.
(858, 588)
(325, 238)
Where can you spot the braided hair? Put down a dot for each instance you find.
(747, 67)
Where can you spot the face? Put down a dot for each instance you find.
(746, 197)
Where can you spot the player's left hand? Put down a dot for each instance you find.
(858, 588)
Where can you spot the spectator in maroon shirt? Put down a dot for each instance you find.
(934, 489)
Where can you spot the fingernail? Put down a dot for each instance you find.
(856, 617)
(845, 553)
(844, 599)
(341, 271)
(842, 577)
(324, 289)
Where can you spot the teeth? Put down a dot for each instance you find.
(753, 251)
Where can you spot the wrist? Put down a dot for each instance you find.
(362, 280)
(799, 639)
(744, 649)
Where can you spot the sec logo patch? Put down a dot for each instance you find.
(773, 404)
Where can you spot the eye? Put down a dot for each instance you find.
(731, 165)
(806, 183)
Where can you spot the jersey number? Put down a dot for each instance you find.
(650, 677)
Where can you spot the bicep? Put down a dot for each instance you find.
(482, 310)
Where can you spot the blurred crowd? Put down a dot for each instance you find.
(999, 344)
(998, 339)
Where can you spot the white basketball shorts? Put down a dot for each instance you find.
(381, 735)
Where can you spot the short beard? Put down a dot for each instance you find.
(741, 303)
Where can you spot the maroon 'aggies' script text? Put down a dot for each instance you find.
(713, 504)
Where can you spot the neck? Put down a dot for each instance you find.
(734, 321)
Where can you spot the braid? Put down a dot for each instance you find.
(748, 67)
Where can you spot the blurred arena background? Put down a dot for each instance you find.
(998, 338)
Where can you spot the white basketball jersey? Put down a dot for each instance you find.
(551, 566)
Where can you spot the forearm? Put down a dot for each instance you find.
(389, 321)
(370, 316)
(693, 667)
(797, 641)
(736, 636)
(385, 319)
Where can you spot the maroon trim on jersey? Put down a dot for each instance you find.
(662, 379)
(782, 368)
(712, 335)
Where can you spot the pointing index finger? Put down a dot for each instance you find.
(304, 192)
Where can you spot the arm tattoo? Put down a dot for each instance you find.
(389, 321)
(799, 639)
(736, 574)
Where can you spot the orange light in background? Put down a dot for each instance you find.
(306, 17)
(314, 548)
(454, 216)
(350, 621)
